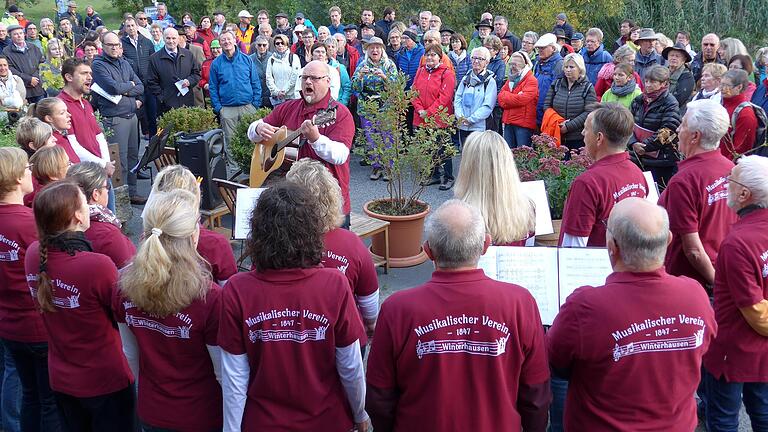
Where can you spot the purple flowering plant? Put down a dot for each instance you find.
(544, 160)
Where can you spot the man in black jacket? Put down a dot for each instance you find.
(113, 76)
(137, 49)
(172, 74)
(24, 60)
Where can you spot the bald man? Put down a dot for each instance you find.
(462, 344)
(329, 144)
(635, 344)
(171, 72)
(710, 43)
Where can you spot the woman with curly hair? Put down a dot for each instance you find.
(343, 249)
(73, 287)
(168, 287)
(290, 314)
(489, 181)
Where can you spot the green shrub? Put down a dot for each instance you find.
(8, 137)
(188, 119)
(241, 148)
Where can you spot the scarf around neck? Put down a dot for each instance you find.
(70, 242)
(649, 97)
(514, 81)
(100, 213)
(625, 89)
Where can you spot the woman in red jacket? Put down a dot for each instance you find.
(741, 135)
(74, 287)
(518, 99)
(435, 85)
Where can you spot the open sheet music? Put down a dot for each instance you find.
(550, 274)
(246, 202)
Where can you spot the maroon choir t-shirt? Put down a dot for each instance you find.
(456, 350)
(633, 348)
(346, 252)
(215, 248)
(85, 354)
(741, 280)
(177, 386)
(107, 239)
(696, 200)
(594, 193)
(19, 319)
(289, 323)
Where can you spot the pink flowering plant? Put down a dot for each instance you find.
(544, 160)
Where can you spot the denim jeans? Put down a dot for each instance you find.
(517, 136)
(38, 406)
(10, 398)
(724, 400)
(559, 388)
(111, 197)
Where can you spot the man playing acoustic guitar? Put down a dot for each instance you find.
(330, 144)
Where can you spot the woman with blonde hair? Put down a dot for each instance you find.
(74, 287)
(343, 249)
(214, 247)
(23, 337)
(167, 313)
(572, 97)
(711, 74)
(729, 47)
(488, 180)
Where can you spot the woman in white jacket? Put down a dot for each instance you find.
(282, 72)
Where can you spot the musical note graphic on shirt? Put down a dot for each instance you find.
(659, 345)
(181, 332)
(298, 336)
(11, 256)
(453, 346)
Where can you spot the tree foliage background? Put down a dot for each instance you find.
(744, 19)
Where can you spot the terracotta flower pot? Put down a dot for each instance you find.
(550, 239)
(404, 238)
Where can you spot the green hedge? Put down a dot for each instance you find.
(188, 119)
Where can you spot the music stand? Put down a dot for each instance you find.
(154, 148)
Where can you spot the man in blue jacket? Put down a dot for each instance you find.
(548, 68)
(235, 87)
(113, 76)
(594, 54)
(409, 58)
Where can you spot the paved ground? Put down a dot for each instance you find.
(362, 190)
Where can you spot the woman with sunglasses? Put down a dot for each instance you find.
(282, 72)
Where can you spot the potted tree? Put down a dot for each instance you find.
(544, 160)
(408, 162)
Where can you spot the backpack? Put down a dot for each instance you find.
(760, 147)
(290, 60)
(490, 121)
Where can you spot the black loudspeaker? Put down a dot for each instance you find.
(203, 154)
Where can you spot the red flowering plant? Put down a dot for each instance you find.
(546, 161)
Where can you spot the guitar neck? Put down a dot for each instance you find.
(288, 139)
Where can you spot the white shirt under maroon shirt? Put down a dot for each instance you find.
(343, 250)
(457, 351)
(696, 200)
(175, 365)
(85, 355)
(632, 350)
(741, 280)
(19, 319)
(593, 195)
(289, 327)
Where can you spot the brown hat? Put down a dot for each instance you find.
(677, 47)
(484, 23)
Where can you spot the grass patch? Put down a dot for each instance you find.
(47, 8)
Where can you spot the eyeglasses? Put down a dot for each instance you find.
(313, 78)
(112, 45)
(261, 45)
(730, 180)
(479, 59)
(142, 18)
(278, 43)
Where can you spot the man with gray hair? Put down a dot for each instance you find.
(634, 344)
(699, 217)
(736, 366)
(501, 29)
(594, 53)
(436, 345)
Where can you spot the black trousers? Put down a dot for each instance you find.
(112, 412)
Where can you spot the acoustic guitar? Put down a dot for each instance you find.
(269, 155)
